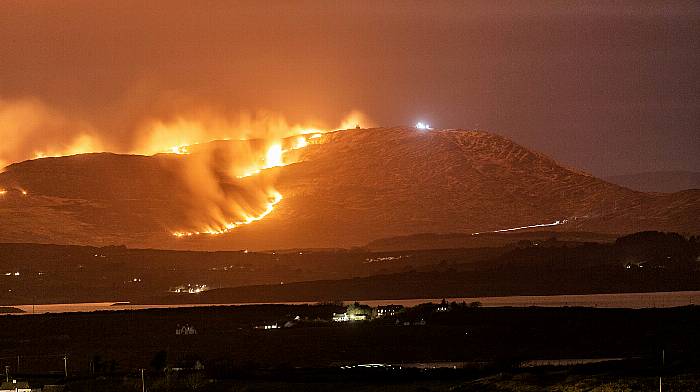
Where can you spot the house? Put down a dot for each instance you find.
(388, 310)
(268, 326)
(444, 306)
(343, 317)
(408, 323)
(188, 365)
(18, 386)
(354, 312)
(185, 330)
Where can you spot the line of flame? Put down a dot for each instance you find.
(273, 158)
(227, 227)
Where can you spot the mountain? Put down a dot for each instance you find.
(347, 188)
(662, 181)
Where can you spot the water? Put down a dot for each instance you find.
(626, 300)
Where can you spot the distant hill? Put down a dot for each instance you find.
(662, 181)
(466, 241)
(348, 188)
(640, 262)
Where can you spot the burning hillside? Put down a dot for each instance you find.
(321, 190)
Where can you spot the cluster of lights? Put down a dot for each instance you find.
(368, 365)
(190, 288)
(423, 126)
(387, 258)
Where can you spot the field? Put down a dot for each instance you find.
(486, 348)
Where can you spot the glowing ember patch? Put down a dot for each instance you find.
(80, 145)
(315, 136)
(180, 150)
(274, 199)
(3, 191)
(309, 130)
(274, 156)
(249, 173)
(300, 142)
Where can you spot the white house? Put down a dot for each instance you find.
(388, 310)
(185, 330)
(344, 317)
(17, 386)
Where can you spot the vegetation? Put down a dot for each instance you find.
(10, 309)
(642, 262)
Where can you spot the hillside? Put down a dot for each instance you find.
(347, 189)
(663, 181)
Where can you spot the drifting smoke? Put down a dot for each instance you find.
(176, 134)
(226, 185)
(30, 129)
(229, 184)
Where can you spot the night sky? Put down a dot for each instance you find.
(607, 87)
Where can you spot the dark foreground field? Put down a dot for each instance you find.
(487, 346)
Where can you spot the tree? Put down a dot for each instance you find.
(159, 361)
(195, 381)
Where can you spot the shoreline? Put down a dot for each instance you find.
(662, 299)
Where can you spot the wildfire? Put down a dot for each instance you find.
(300, 142)
(80, 145)
(273, 157)
(180, 150)
(353, 120)
(275, 198)
(273, 142)
(276, 154)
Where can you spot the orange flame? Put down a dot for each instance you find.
(216, 211)
(275, 155)
(81, 145)
(227, 227)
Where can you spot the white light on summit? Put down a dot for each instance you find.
(423, 126)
